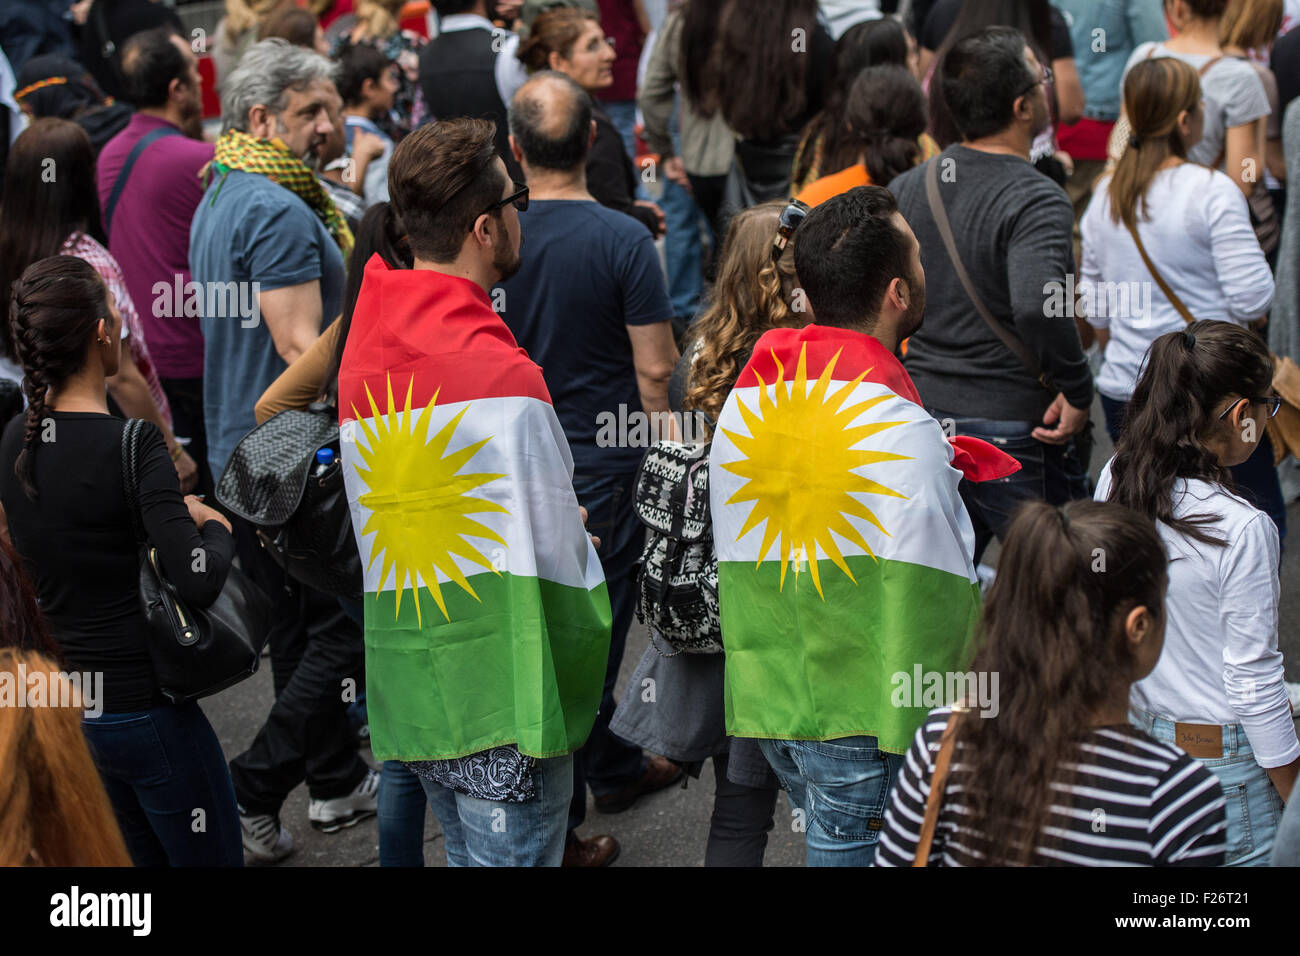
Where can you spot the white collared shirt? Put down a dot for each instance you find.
(1220, 663)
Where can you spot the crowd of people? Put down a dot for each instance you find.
(778, 326)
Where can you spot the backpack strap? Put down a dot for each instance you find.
(125, 173)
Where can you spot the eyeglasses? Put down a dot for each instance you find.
(791, 216)
(1047, 77)
(1273, 403)
(519, 198)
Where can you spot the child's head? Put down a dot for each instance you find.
(366, 79)
(1075, 615)
(1199, 408)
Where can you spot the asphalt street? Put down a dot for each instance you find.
(668, 828)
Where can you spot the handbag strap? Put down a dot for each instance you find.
(131, 474)
(1009, 338)
(938, 781)
(1176, 302)
(125, 173)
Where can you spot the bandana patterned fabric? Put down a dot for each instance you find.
(272, 159)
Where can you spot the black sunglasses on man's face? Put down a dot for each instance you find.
(519, 198)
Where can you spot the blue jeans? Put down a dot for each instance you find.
(608, 763)
(1255, 478)
(401, 816)
(1051, 473)
(1254, 806)
(161, 767)
(623, 115)
(841, 787)
(494, 833)
(683, 251)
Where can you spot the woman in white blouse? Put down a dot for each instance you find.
(1217, 691)
(1194, 227)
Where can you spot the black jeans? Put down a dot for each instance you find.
(185, 395)
(307, 735)
(1051, 473)
(741, 821)
(606, 762)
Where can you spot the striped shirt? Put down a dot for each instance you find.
(1133, 802)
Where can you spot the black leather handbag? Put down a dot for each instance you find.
(195, 651)
(302, 516)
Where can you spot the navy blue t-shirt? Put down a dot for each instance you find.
(588, 273)
(249, 229)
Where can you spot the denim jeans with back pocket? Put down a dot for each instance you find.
(840, 789)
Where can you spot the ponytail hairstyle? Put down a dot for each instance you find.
(1171, 414)
(379, 233)
(1054, 631)
(884, 118)
(751, 295)
(1156, 91)
(53, 310)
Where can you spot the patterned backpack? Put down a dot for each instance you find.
(677, 585)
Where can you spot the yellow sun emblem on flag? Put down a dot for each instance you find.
(419, 503)
(800, 461)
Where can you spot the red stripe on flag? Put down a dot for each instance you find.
(434, 333)
(857, 353)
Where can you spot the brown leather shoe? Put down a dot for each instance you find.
(660, 772)
(598, 851)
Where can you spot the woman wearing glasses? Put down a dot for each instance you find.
(1198, 256)
(1217, 691)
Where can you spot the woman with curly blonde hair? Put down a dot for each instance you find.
(752, 294)
(683, 719)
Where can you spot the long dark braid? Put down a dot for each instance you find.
(53, 310)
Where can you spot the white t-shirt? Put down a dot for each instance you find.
(1199, 237)
(1220, 663)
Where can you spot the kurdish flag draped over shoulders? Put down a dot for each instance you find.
(844, 549)
(487, 618)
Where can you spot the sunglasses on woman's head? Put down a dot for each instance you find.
(791, 216)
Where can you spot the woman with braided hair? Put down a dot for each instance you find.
(65, 505)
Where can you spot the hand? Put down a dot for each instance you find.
(675, 170)
(202, 514)
(366, 146)
(1068, 420)
(1066, 160)
(660, 219)
(186, 471)
(583, 512)
(1260, 324)
(81, 12)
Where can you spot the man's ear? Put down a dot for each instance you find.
(260, 122)
(898, 294)
(515, 151)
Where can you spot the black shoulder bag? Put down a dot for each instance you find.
(195, 652)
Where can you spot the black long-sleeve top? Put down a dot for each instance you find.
(79, 547)
(611, 175)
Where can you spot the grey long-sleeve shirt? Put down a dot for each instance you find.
(1013, 231)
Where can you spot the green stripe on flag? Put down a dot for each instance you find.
(524, 666)
(800, 668)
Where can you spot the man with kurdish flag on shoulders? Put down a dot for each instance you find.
(844, 549)
(487, 618)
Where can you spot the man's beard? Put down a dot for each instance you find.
(915, 314)
(192, 124)
(506, 261)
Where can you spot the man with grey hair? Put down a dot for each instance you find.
(590, 306)
(269, 238)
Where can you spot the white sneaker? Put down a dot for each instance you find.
(332, 815)
(265, 839)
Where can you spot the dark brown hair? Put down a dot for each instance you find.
(54, 309)
(22, 625)
(554, 31)
(1206, 9)
(291, 23)
(884, 119)
(751, 75)
(1053, 631)
(1155, 92)
(1171, 414)
(49, 193)
(441, 178)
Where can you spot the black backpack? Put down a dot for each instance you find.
(677, 584)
